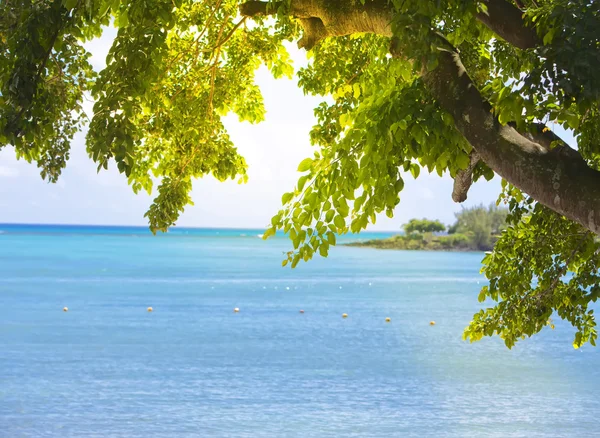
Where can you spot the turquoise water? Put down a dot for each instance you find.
(194, 368)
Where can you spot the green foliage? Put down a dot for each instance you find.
(44, 72)
(481, 224)
(423, 226)
(542, 263)
(177, 67)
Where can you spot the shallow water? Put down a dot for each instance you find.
(193, 367)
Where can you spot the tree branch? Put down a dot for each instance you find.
(501, 17)
(464, 179)
(506, 21)
(559, 178)
(255, 8)
(321, 20)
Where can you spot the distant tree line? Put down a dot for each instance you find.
(423, 226)
(482, 225)
(476, 228)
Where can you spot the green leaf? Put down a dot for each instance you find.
(268, 233)
(301, 181)
(331, 238)
(305, 165)
(463, 161)
(287, 197)
(415, 170)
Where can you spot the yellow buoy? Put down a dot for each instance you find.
(388, 319)
(431, 322)
(65, 309)
(236, 310)
(344, 315)
(150, 309)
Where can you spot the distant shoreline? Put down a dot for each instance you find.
(422, 242)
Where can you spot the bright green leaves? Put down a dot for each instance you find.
(280, 63)
(381, 125)
(172, 73)
(305, 165)
(287, 197)
(175, 68)
(542, 264)
(415, 170)
(339, 222)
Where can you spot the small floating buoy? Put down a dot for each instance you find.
(150, 309)
(287, 288)
(431, 322)
(65, 309)
(301, 311)
(388, 319)
(344, 315)
(236, 310)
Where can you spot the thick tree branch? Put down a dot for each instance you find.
(502, 17)
(321, 19)
(537, 133)
(558, 178)
(506, 20)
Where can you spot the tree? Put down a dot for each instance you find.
(481, 224)
(423, 226)
(461, 87)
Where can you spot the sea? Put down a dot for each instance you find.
(193, 367)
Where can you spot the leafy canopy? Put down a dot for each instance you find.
(177, 67)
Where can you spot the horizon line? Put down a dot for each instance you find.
(148, 228)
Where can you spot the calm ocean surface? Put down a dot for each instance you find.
(193, 368)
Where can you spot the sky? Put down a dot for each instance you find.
(272, 150)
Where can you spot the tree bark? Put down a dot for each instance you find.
(464, 179)
(375, 16)
(559, 178)
(506, 21)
